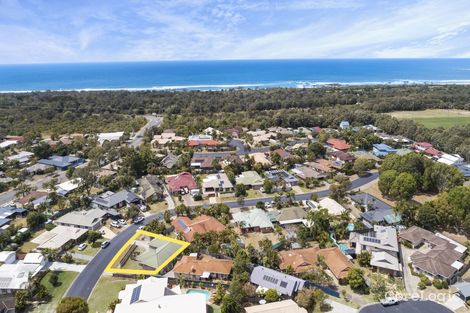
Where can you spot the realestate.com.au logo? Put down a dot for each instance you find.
(418, 296)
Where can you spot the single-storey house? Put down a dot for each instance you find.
(287, 306)
(150, 188)
(62, 162)
(267, 278)
(60, 237)
(292, 215)
(338, 144)
(115, 200)
(215, 184)
(255, 220)
(382, 150)
(282, 175)
(182, 183)
(443, 258)
(204, 267)
(91, 219)
(305, 172)
(376, 211)
(201, 224)
(250, 179)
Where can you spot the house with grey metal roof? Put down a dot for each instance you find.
(115, 200)
(267, 278)
(255, 220)
(91, 219)
(150, 188)
(292, 215)
(376, 211)
(282, 176)
(62, 162)
(382, 243)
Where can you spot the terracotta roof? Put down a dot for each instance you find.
(302, 260)
(336, 261)
(197, 266)
(338, 144)
(195, 143)
(432, 152)
(180, 181)
(424, 144)
(321, 164)
(32, 195)
(283, 154)
(200, 225)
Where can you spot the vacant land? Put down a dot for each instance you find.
(105, 292)
(435, 118)
(56, 292)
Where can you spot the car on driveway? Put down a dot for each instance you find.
(104, 244)
(115, 224)
(122, 222)
(82, 246)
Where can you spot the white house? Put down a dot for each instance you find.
(153, 295)
(451, 159)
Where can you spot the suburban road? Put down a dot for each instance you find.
(153, 121)
(86, 280)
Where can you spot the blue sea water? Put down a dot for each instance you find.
(213, 75)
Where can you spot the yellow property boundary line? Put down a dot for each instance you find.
(111, 269)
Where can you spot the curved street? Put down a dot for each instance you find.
(87, 279)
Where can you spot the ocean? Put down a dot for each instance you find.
(216, 75)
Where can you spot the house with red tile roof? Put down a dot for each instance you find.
(421, 146)
(182, 183)
(338, 144)
(202, 224)
(432, 152)
(204, 267)
(302, 260)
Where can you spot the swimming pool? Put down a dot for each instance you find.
(204, 292)
(343, 247)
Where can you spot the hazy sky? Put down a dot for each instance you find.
(34, 31)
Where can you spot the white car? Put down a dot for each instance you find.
(115, 224)
(82, 246)
(122, 222)
(389, 301)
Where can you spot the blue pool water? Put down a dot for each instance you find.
(204, 292)
(213, 75)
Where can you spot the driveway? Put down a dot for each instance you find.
(337, 307)
(60, 266)
(411, 282)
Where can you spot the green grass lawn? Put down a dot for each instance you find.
(105, 292)
(443, 121)
(56, 292)
(28, 246)
(435, 118)
(90, 249)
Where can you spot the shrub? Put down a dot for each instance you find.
(437, 283)
(421, 285)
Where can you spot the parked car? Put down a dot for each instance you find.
(104, 244)
(141, 227)
(115, 224)
(122, 222)
(82, 246)
(138, 220)
(389, 301)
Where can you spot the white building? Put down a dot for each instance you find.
(102, 137)
(333, 207)
(451, 159)
(67, 187)
(15, 276)
(382, 243)
(152, 295)
(216, 183)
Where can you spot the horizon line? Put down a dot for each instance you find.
(229, 60)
